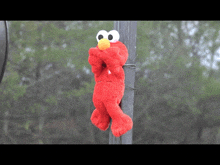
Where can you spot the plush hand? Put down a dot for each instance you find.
(111, 57)
(95, 61)
(94, 58)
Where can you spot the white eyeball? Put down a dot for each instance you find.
(113, 36)
(101, 34)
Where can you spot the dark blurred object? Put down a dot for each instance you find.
(3, 47)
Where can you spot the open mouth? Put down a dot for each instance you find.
(103, 65)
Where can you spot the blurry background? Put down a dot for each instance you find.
(46, 93)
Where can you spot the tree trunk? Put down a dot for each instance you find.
(5, 127)
(38, 100)
(41, 123)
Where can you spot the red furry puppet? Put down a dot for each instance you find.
(107, 59)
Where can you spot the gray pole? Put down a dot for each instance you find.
(128, 33)
(3, 47)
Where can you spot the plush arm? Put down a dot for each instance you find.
(114, 60)
(95, 62)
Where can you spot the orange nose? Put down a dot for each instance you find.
(103, 44)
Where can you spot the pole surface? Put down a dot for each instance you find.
(128, 33)
(3, 47)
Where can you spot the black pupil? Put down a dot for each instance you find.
(110, 37)
(100, 37)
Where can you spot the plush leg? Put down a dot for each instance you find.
(100, 117)
(121, 123)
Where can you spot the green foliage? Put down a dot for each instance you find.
(211, 88)
(10, 90)
(86, 89)
(52, 100)
(143, 39)
(174, 81)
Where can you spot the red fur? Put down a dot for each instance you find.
(109, 88)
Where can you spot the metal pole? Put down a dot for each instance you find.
(128, 33)
(3, 47)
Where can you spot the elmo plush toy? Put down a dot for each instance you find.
(107, 59)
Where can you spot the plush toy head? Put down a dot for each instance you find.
(104, 38)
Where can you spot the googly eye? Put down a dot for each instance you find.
(101, 34)
(113, 36)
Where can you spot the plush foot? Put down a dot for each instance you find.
(99, 120)
(121, 125)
